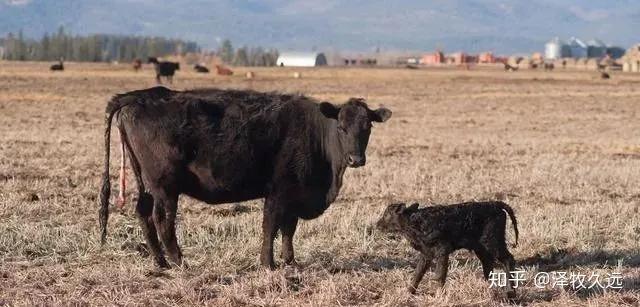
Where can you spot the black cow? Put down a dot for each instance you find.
(57, 67)
(201, 69)
(164, 69)
(222, 146)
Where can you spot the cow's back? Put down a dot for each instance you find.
(215, 145)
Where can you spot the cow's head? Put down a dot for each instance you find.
(391, 220)
(354, 127)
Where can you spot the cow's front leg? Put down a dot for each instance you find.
(272, 217)
(288, 229)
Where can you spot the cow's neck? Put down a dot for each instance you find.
(332, 152)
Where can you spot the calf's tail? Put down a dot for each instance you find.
(512, 215)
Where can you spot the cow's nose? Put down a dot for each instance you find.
(356, 161)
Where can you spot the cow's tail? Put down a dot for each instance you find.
(512, 215)
(105, 193)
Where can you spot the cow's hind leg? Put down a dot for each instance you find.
(165, 208)
(288, 229)
(144, 208)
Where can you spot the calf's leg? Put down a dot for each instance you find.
(442, 267)
(423, 265)
(506, 259)
(487, 260)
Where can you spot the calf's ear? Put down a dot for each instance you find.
(380, 115)
(329, 110)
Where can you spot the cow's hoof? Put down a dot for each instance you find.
(162, 263)
(269, 265)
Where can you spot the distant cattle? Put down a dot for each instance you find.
(164, 69)
(222, 146)
(223, 71)
(548, 66)
(437, 231)
(137, 64)
(201, 69)
(57, 67)
(604, 75)
(508, 67)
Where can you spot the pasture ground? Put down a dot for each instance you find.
(563, 148)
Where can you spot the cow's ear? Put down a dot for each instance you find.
(412, 208)
(380, 115)
(329, 110)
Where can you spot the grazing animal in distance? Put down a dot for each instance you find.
(57, 67)
(439, 230)
(137, 65)
(508, 67)
(222, 146)
(604, 75)
(223, 71)
(201, 69)
(164, 69)
(548, 66)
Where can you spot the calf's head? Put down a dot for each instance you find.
(394, 215)
(354, 127)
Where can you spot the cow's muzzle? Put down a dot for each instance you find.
(356, 161)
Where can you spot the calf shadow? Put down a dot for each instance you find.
(564, 259)
(363, 262)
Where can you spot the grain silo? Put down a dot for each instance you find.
(578, 48)
(596, 48)
(301, 59)
(556, 49)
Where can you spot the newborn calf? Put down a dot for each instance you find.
(439, 230)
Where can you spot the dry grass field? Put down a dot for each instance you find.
(563, 148)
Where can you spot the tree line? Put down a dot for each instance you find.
(246, 56)
(91, 48)
(124, 48)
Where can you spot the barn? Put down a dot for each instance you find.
(301, 59)
(631, 59)
(435, 58)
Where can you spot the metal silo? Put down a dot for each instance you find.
(553, 49)
(578, 48)
(596, 48)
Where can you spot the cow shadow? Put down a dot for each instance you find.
(562, 259)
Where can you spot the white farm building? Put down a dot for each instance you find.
(301, 59)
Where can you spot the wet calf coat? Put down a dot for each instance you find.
(222, 146)
(439, 230)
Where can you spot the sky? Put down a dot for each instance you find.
(502, 26)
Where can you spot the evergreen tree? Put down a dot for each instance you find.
(241, 58)
(226, 51)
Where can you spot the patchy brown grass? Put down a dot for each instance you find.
(562, 148)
